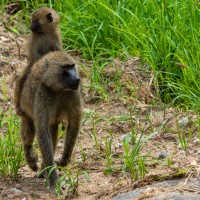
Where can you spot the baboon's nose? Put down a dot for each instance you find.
(75, 83)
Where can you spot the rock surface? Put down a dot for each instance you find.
(175, 189)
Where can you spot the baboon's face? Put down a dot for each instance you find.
(70, 78)
(37, 23)
(43, 19)
(61, 76)
(35, 26)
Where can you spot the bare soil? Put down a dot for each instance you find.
(149, 115)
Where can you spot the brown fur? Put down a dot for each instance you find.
(46, 39)
(47, 100)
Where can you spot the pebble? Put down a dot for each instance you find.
(59, 145)
(169, 191)
(118, 145)
(4, 194)
(18, 186)
(184, 121)
(122, 138)
(198, 152)
(16, 190)
(10, 196)
(162, 155)
(196, 141)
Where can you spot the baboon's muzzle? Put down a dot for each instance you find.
(74, 83)
(71, 78)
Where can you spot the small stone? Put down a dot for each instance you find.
(123, 137)
(4, 195)
(79, 160)
(179, 146)
(195, 151)
(10, 196)
(4, 39)
(162, 155)
(184, 121)
(118, 145)
(18, 186)
(59, 145)
(196, 141)
(198, 152)
(193, 163)
(62, 141)
(16, 190)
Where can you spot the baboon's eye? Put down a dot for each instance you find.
(49, 17)
(69, 66)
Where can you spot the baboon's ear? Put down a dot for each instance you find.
(49, 17)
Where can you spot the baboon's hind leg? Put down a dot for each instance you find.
(54, 136)
(27, 137)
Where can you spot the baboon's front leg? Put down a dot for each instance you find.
(54, 138)
(70, 139)
(45, 144)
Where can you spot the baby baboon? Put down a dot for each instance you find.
(45, 37)
(51, 94)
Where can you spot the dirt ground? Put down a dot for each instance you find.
(149, 115)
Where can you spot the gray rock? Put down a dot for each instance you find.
(18, 186)
(177, 196)
(123, 137)
(4, 194)
(184, 121)
(196, 142)
(157, 191)
(162, 155)
(16, 190)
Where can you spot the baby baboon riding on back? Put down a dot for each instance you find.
(45, 37)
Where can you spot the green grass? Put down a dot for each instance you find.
(133, 162)
(164, 34)
(68, 180)
(11, 155)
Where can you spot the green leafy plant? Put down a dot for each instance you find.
(133, 162)
(4, 88)
(94, 136)
(108, 150)
(11, 154)
(70, 181)
(182, 139)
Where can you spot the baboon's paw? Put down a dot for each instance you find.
(53, 180)
(62, 163)
(32, 162)
(33, 165)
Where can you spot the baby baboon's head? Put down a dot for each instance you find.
(44, 20)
